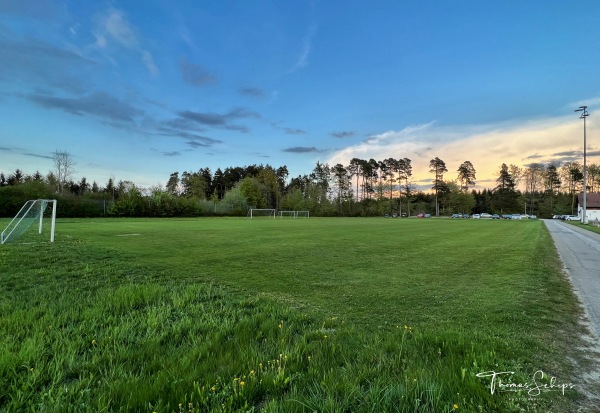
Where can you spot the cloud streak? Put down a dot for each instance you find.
(218, 120)
(112, 28)
(302, 149)
(342, 134)
(302, 60)
(195, 75)
(486, 146)
(97, 104)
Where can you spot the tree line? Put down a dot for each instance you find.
(361, 188)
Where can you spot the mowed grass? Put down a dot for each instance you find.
(337, 315)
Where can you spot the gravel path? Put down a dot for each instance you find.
(579, 250)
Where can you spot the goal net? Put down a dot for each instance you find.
(261, 213)
(293, 214)
(33, 212)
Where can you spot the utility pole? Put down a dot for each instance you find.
(584, 115)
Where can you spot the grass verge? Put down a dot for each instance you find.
(333, 315)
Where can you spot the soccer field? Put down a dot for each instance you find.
(316, 314)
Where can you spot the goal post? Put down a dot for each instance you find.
(261, 212)
(33, 211)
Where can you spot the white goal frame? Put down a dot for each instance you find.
(22, 214)
(272, 212)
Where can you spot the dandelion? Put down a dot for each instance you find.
(213, 388)
(455, 406)
(242, 383)
(280, 325)
(309, 358)
(93, 342)
(251, 372)
(325, 336)
(260, 365)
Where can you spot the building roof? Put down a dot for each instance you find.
(592, 200)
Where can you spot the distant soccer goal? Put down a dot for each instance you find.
(34, 211)
(261, 213)
(294, 214)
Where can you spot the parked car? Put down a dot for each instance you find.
(456, 216)
(427, 215)
(571, 218)
(486, 215)
(507, 216)
(476, 216)
(466, 216)
(516, 216)
(495, 216)
(421, 215)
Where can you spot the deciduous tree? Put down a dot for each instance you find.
(64, 167)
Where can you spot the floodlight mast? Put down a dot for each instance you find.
(584, 115)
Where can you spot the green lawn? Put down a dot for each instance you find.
(340, 315)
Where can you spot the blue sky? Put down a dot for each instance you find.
(136, 90)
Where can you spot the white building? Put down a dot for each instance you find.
(592, 206)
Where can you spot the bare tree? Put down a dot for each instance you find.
(517, 174)
(64, 167)
(534, 180)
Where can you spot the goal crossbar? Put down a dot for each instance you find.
(267, 212)
(26, 216)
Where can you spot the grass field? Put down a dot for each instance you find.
(336, 315)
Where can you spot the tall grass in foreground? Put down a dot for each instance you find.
(323, 315)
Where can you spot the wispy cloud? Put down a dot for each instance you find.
(302, 149)
(98, 104)
(486, 146)
(219, 120)
(342, 134)
(49, 10)
(302, 59)
(195, 75)
(29, 59)
(113, 28)
(252, 92)
(294, 131)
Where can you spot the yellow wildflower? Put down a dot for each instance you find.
(455, 406)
